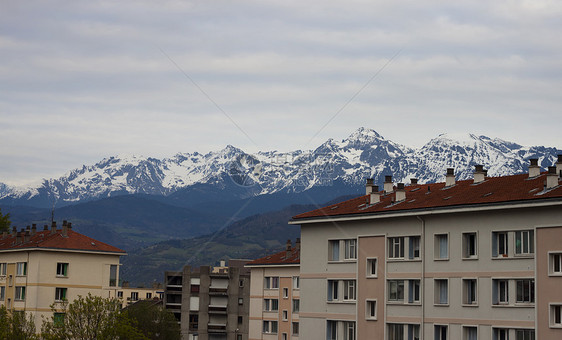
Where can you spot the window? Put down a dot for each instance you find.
(295, 328)
(349, 330)
(60, 294)
(149, 295)
(524, 242)
(395, 331)
(371, 267)
(270, 305)
(331, 330)
(194, 288)
(285, 314)
(396, 290)
(58, 319)
(469, 245)
(440, 332)
(332, 290)
(500, 334)
(296, 305)
(470, 333)
(469, 291)
(296, 282)
(240, 283)
(270, 327)
(271, 282)
(348, 290)
(193, 322)
(120, 294)
(500, 292)
(556, 316)
(284, 336)
(525, 291)
(499, 244)
(240, 301)
(441, 246)
(441, 292)
(524, 334)
(351, 249)
(2, 292)
(413, 332)
(240, 320)
(396, 247)
(414, 247)
(3, 267)
(413, 291)
(21, 268)
(134, 296)
(334, 250)
(20, 293)
(285, 293)
(62, 269)
(113, 275)
(555, 263)
(371, 310)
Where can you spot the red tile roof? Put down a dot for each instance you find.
(280, 258)
(494, 190)
(45, 239)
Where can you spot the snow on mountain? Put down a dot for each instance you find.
(365, 153)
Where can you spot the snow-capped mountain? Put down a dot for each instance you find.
(365, 153)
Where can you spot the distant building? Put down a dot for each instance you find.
(210, 304)
(275, 295)
(129, 295)
(472, 259)
(39, 268)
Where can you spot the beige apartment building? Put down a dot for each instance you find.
(39, 268)
(467, 260)
(275, 295)
(129, 295)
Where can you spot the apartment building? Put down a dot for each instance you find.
(210, 304)
(39, 268)
(275, 295)
(129, 295)
(472, 259)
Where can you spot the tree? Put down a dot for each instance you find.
(16, 325)
(154, 320)
(4, 222)
(90, 317)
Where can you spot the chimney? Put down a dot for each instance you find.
(64, 230)
(53, 227)
(45, 227)
(4, 234)
(534, 168)
(288, 249)
(450, 177)
(18, 237)
(400, 192)
(69, 225)
(388, 186)
(413, 181)
(298, 244)
(33, 229)
(27, 236)
(559, 166)
(14, 231)
(375, 196)
(63, 223)
(479, 174)
(551, 178)
(369, 186)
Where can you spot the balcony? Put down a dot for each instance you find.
(217, 309)
(216, 327)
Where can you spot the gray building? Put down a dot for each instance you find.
(210, 303)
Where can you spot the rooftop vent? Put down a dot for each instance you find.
(388, 186)
(534, 168)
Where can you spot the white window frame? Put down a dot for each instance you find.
(502, 299)
(349, 330)
(438, 247)
(555, 315)
(2, 293)
(332, 290)
(395, 247)
(350, 249)
(371, 309)
(61, 270)
(271, 282)
(270, 327)
(531, 291)
(555, 263)
(411, 327)
(285, 293)
(271, 305)
(21, 268)
(392, 334)
(349, 290)
(467, 245)
(3, 267)
(414, 245)
(61, 294)
(296, 305)
(529, 236)
(334, 250)
(296, 282)
(497, 333)
(397, 283)
(438, 336)
(285, 314)
(438, 287)
(412, 298)
(466, 329)
(293, 328)
(518, 330)
(372, 265)
(20, 293)
(466, 289)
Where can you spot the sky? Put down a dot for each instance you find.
(84, 80)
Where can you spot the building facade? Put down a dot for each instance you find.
(473, 259)
(39, 268)
(210, 304)
(129, 295)
(275, 295)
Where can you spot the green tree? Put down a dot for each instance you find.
(4, 222)
(154, 321)
(90, 317)
(16, 325)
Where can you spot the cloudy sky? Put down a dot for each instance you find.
(84, 80)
